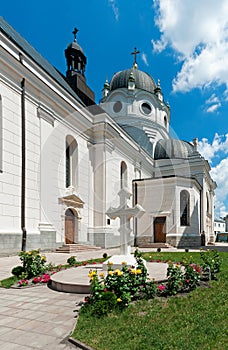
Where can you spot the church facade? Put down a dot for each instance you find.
(64, 158)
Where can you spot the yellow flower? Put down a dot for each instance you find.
(92, 274)
(118, 272)
(124, 263)
(110, 263)
(110, 273)
(119, 300)
(101, 274)
(138, 271)
(133, 271)
(43, 258)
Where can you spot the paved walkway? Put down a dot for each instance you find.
(38, 317)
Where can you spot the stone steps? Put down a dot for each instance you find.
(153, 245)
(75, 248)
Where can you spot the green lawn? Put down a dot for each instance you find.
(196, 321)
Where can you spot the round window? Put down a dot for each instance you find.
(117, 107)
(146, 108)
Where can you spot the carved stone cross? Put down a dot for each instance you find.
(125, 213)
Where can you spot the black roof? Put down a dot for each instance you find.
(13, 35)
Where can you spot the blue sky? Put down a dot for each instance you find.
(184, 43)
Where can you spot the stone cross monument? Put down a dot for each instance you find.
(125, 213)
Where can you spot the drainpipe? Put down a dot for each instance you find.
(24, 233)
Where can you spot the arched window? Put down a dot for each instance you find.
(208, 203)
(71, 161)
(1, 133)
(184, 208)
(123, 175)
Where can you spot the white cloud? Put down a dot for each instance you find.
(198, 33)
(218, 150)
(213, 108)
(144, 58)
(210, 151)
(212, 99)
(220, 175)
(115, 9)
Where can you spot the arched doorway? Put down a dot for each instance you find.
(71, 227)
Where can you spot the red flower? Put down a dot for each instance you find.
(46, 278)
(161, 287)
(37, 279)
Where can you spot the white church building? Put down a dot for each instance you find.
(64, 159)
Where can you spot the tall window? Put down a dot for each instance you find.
(123, 175)
(71, 161)
(208, 203)
(184, 208)
(1, 150)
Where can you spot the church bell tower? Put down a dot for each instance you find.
(75, 75)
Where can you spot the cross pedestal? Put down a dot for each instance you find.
(125, 213)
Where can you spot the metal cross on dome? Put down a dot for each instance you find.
(135, 53)
(75, 33)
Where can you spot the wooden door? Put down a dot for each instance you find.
(69, 227)
(159, 230)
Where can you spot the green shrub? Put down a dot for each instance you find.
(102, 306)
(71, 261)
(211, 262)
(191, 277)
(18, 271)
(175, 278)
(33, 263)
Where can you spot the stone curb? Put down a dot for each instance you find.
(79, 345)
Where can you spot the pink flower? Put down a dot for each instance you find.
(23, 283)
(37, 279)
(161, 287)
(46, 278)
(187, 281)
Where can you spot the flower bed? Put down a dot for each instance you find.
(121, 287)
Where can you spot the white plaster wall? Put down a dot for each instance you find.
(10, 178)
(161, 197)
(32, 201)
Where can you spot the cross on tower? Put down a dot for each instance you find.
(75, 33)
(135, 52)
